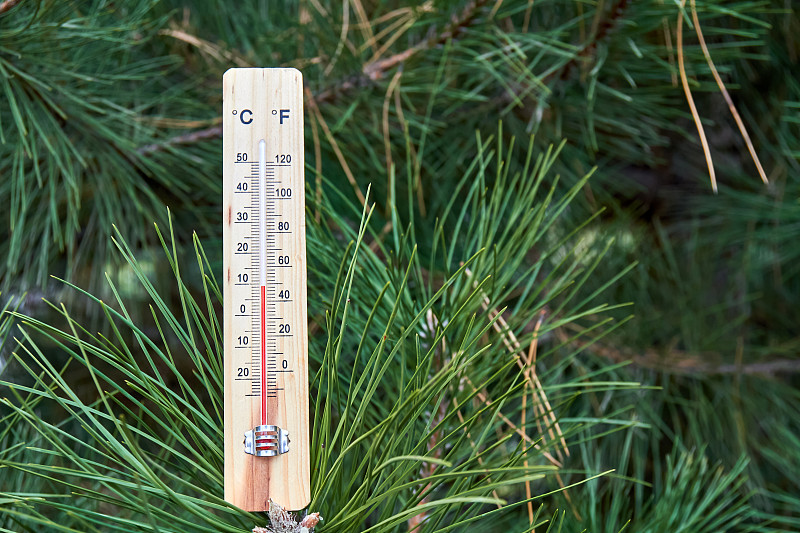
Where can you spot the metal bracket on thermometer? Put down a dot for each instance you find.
(266, 441)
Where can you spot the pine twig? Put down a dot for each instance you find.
(213, 132)
(602, 29)
(376, 69)
(686, 363)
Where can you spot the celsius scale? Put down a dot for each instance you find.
(264, 272)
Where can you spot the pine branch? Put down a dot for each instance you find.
(214, 132)
(459, 24)
(688, 364)
(378, 68)
(604, 28)
(370, 72)
(775, 366)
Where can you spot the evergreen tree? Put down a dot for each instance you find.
(489, 186)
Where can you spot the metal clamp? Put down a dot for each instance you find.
(266, 441)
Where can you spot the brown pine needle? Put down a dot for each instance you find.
(527, 20)
(515, 348)
(384, 32)
(513, 345)
(598, 15)
(363, 23)
(317, 160)
(321, 10)
(529, 362)
(206, 47)
(391, 40)
(400, 12)
(342, 37)
(397, 29)
(690, 100)
(670, 50)
(179, 123)
(387, 143)
(496, 6)
(525, 462)
(413, 153)
(727, 96)
(370, 71)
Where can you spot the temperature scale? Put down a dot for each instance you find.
(266, 345)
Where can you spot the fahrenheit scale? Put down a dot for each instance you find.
(266, 345)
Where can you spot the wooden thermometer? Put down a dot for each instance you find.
(266, 344)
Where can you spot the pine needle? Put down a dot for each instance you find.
(695, 115)
(728, 99)
(670, 51)
(342, 37)
(387, 141)
(529, 362)
(364, 24)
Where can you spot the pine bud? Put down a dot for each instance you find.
(310, 521)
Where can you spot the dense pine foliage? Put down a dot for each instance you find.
(553, 254)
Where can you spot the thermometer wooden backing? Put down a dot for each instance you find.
(266, 344)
